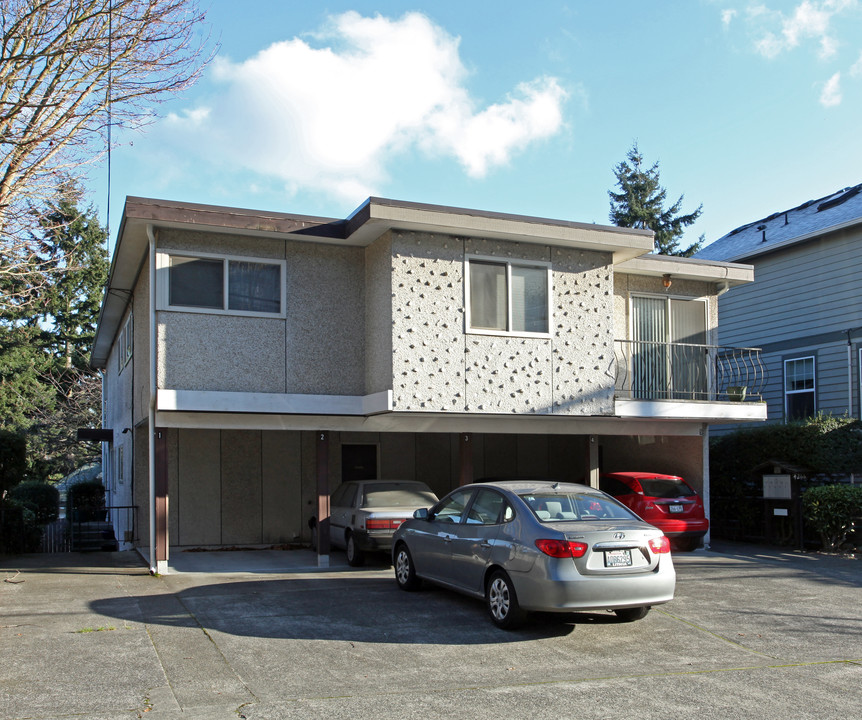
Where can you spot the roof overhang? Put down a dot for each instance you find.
(371, 220)
(723, 273)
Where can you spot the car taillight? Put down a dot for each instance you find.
(562, 548)
(383, 523)
(660, 545)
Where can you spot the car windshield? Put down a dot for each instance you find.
(556, 507)
(665, 488)
(397, 495)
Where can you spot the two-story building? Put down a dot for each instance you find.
(804, 310)
(253, 360)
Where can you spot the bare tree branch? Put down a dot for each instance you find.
(68, 68)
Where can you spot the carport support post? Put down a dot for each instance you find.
(322, 499)
(592, 461)
(161, 500)
(465, 458)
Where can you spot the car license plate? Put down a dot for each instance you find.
(676, 508)
(618, 558)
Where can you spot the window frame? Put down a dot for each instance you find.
(125, 343)
(164, 260)
(812, 389)
(509, 264)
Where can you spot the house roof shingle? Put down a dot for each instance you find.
(787, 227)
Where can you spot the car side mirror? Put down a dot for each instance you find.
(421, 514)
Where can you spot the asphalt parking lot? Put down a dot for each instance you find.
(751, 633)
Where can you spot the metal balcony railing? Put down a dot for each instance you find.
(685, 371)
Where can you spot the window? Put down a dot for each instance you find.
(799, 388)
(120, 466)
(125, 344)
(669, 353)
(487, 508)
(219, 284)
(506, 297)
(452, 509)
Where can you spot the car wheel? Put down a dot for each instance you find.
(314, 537)
(632, 614)
(502, 602)
(355, 557)
(405, 573)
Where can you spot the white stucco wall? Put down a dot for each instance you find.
(439, 366)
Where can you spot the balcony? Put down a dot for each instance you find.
(683, 371)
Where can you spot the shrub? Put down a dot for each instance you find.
(19, 532)
(13, 459)
(40, 497)
(830, 510)
(86, 501)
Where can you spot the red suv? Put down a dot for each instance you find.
(666, 501)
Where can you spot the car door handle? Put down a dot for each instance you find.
(447, 538)
(485, 544)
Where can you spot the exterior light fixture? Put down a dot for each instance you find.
(666, 281)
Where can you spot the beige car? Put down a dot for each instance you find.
(364, 514)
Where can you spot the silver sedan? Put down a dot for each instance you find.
(536, 546)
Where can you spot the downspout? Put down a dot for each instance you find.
(151, 414)
(850, 387)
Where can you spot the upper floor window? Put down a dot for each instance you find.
(207, 283)
(125, 344)
(508, 297)
(799, 388)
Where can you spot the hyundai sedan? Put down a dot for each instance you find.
(536, 546)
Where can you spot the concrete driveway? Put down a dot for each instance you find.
(750, 634)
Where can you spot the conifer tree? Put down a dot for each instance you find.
(641, 204)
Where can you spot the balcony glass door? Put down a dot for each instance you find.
(669, 358)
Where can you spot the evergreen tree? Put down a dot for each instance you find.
(640, 204)
(46, 386)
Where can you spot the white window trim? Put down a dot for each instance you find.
(125, 343)
(786, 392)
(163, 264)
(509, 264)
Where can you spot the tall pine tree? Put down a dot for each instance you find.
(640, 204)
(47, 389)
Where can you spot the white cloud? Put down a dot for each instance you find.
(810, 19)
(831, 93)
(330, 113)
(727, 16)
(856, 68)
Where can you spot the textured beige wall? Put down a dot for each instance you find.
(318, 348)
(378, 315)
(325, 319)
(427, 322)
(437, 366)
(221, 352)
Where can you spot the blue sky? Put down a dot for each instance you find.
(310, 106)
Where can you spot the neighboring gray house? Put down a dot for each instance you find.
(252, 361)
(804, 309)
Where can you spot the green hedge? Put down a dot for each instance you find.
(13, 459)
(19, 532)
(40, 497)
(831, 510)
(85, 501)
